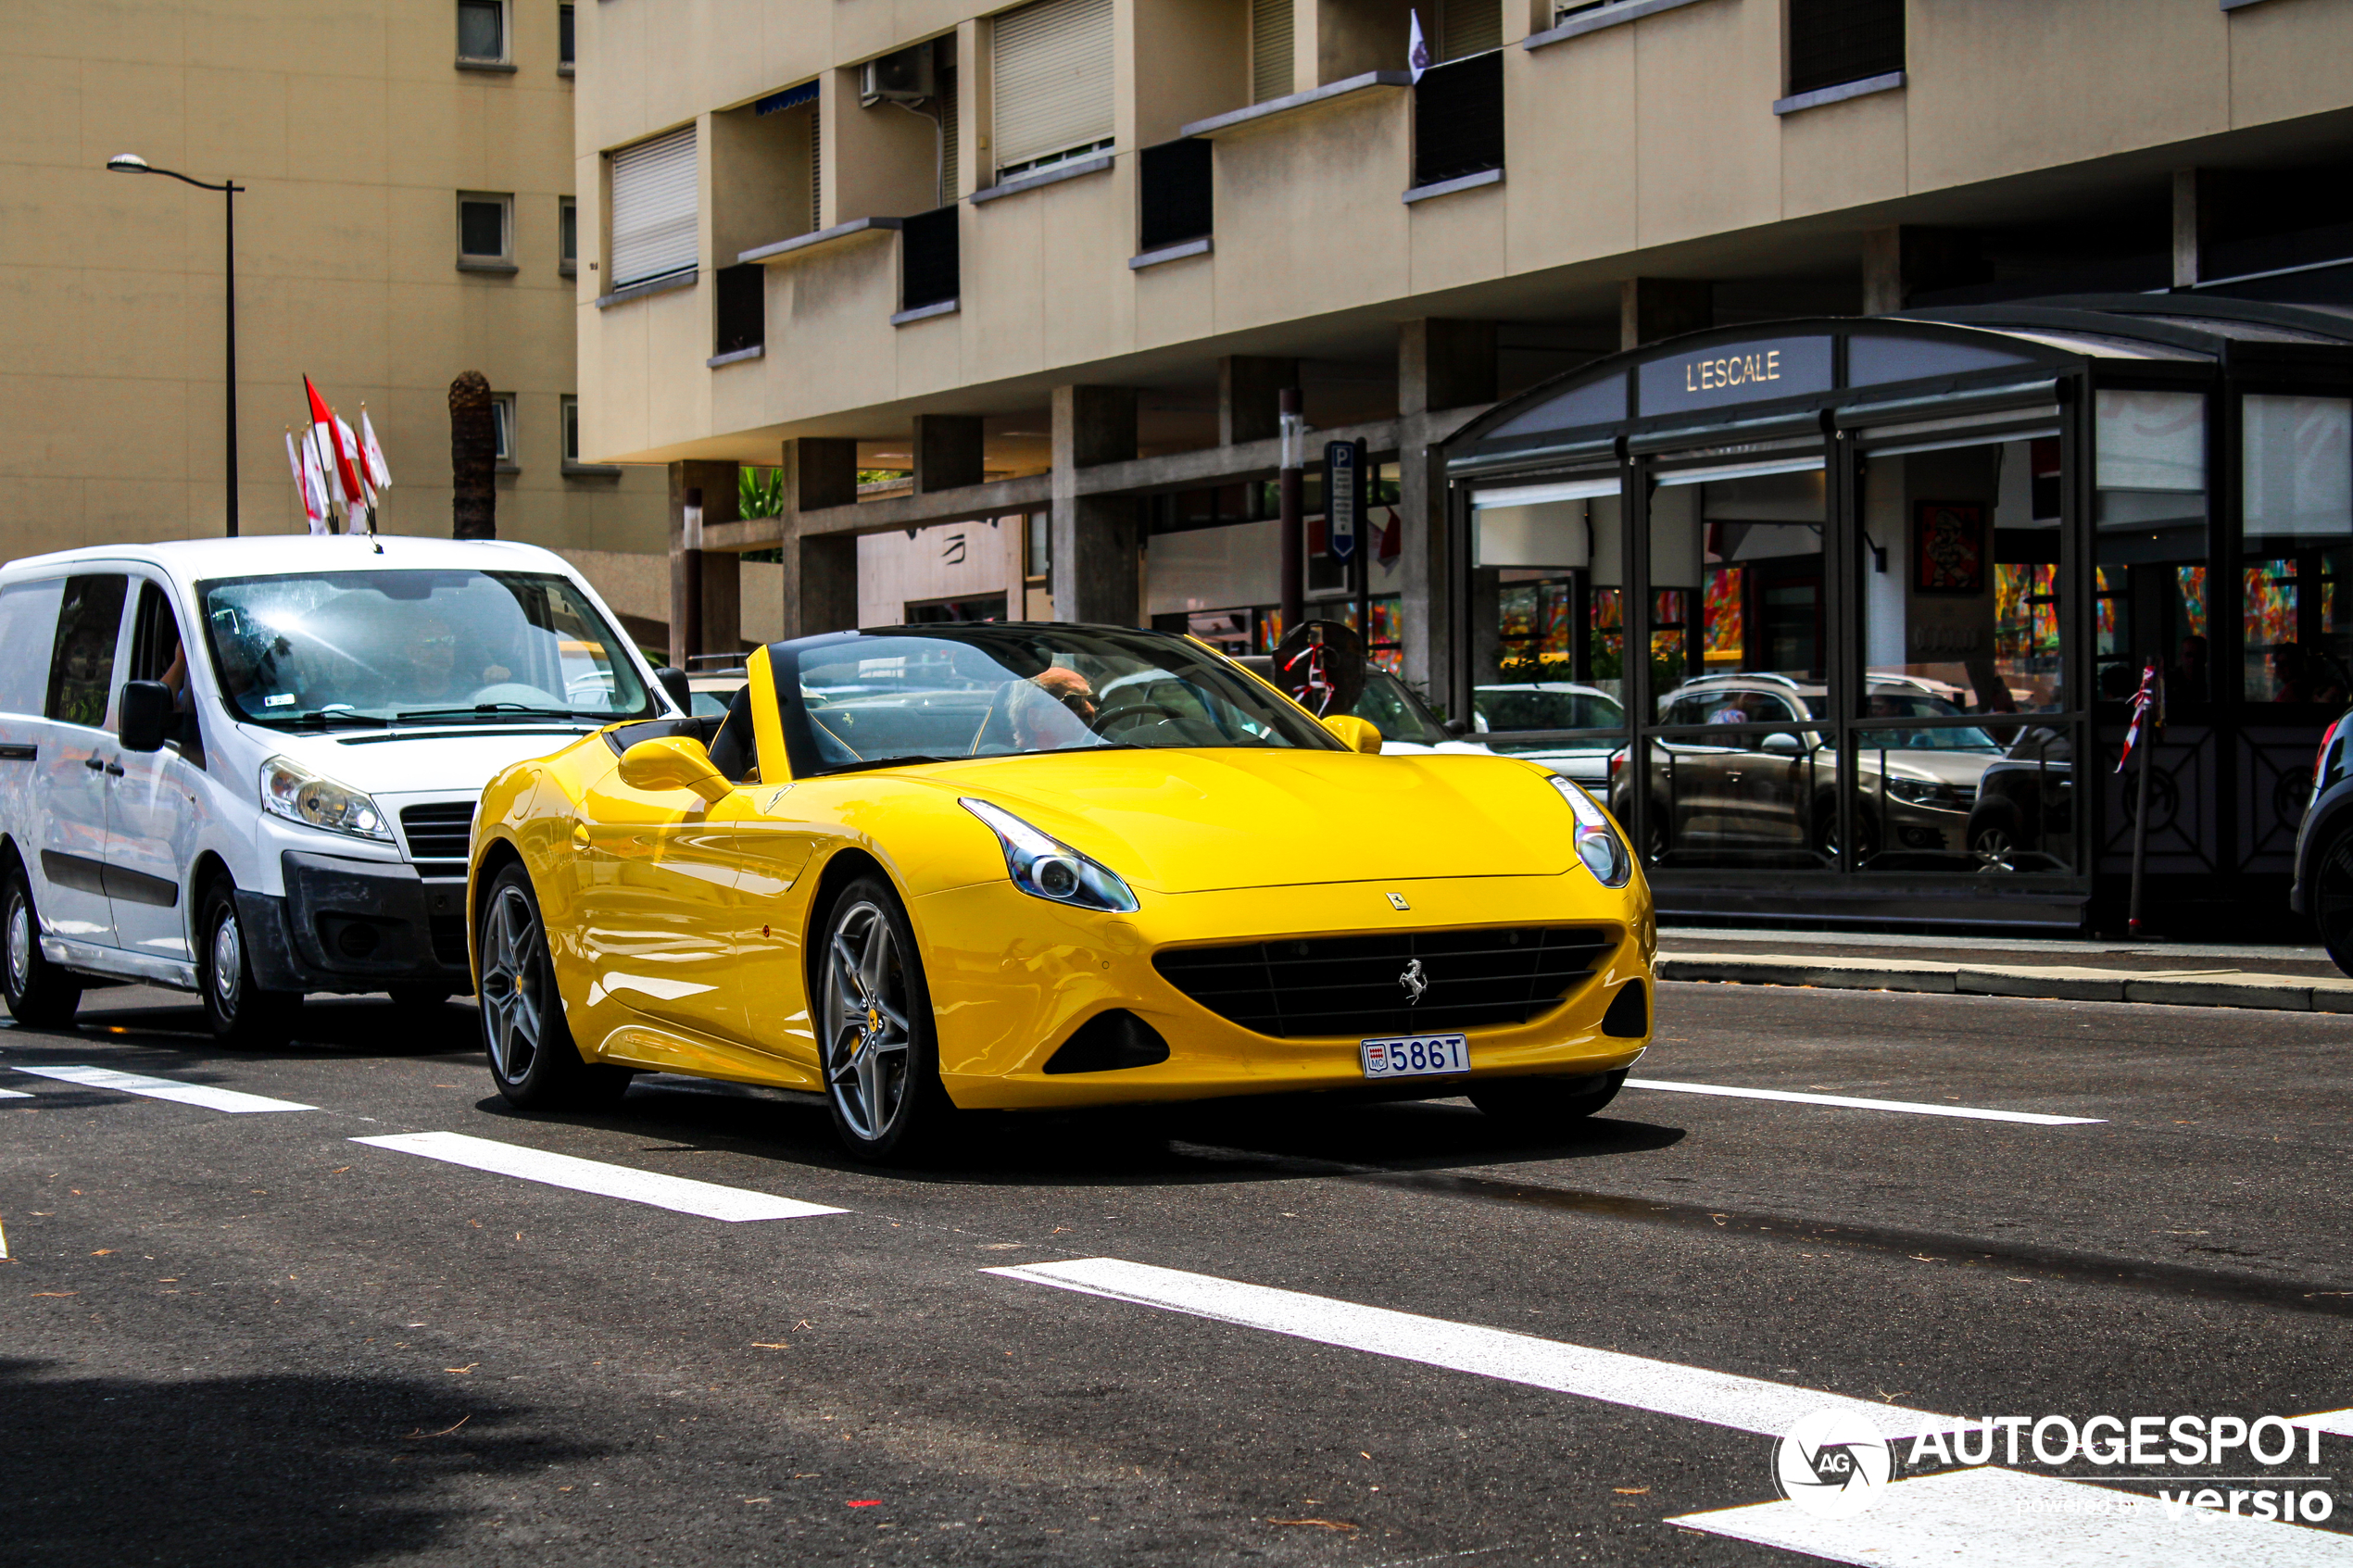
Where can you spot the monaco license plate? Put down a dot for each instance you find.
(1416, 1056)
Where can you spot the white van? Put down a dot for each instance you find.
(248, 767)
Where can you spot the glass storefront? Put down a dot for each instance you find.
(1846, 616)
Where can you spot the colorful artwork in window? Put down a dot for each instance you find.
(2193, 585)
(1726, 637)
(2271, 603)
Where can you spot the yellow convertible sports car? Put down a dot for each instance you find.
(929, 869)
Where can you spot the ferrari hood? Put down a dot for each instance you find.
(1206, 820)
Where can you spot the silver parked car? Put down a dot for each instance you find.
(1555, 705)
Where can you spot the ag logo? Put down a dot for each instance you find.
(1832, 1463)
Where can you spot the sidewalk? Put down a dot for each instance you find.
(2289, 979)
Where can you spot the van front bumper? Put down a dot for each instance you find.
(356, 925)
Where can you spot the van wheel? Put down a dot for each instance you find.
(533, 1059)
(39, 993)
(241, 1012)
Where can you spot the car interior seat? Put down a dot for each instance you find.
(733, 751)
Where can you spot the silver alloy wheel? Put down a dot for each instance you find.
(1994, 850)
(19, 943)
(511, 1003)
(228, 963)
(866, 1047)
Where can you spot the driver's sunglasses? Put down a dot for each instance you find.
(1079, 703)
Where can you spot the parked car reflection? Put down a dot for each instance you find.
(1553, 704)
(1405, 720)
(2024, 816)
(1764, 797)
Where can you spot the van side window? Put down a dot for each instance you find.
(157, 654)
(81, 660)
(28, 620)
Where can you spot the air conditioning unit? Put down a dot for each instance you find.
(901, 77)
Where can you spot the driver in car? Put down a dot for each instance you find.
(1053, 709)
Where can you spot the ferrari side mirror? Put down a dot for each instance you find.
(671, 762)
(1357, 734)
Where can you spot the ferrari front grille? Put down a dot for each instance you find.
(441, 832)
(1411, 983)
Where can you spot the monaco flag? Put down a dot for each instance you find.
(336, 443)
(310, 483)
(379, 475)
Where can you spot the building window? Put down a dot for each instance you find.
(742, 301)
(567, 234)
(1173, 194)
(572, 429)
(1270, 50)
(564, 56)
(1833, 42)
(483, 228)
(502, 420)
(482, 32)
(1038, 545)
(654, 218)
(1053, 66)
(1458, 118)
(1469, 27)
(929, 260)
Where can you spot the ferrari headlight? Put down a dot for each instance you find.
(1597, 843)
(1046, 868)
(293, 792)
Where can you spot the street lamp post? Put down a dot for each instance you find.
(132, 163)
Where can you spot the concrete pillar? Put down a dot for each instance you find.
(1902, 261)
(1096, 565)
(718, 617)
(821, 571)
(1248, 392)
(2193, 224)
(1443, 364)
(1651, 308)
(947, 452)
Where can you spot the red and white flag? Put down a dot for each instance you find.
(2148, 707)
(333, 434)
(310, 484)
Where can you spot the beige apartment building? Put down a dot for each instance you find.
(1887, 371)
(405, 214)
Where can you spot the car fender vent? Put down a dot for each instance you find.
(1629, 1017)
(1108, 1042)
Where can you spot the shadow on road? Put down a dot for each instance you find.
(238, 1471)
(337, 1026)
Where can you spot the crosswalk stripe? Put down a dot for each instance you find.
(1994, 1518)
(14, 1094)
(1745, 1404)
(205, 1095)
(1968, 1112)
(679, 1193)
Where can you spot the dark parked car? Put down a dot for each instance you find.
(2324, 845)
(2023, 818)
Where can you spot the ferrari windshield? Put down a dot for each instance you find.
(417, 647)
(933, 694)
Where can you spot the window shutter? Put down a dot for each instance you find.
(1053, 80)
(1470, 27)
(1270, 56)
(653, 209)
(951, 135)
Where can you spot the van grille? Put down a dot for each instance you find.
(1353, 985)
(439, 836)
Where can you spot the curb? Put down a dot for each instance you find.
(2208, 989)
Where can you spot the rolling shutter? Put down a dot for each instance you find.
(1270, 54)
(654, 228)
(1470, 27)
(1053, 80)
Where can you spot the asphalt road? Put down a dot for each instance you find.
(244, 1338)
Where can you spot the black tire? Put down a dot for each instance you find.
(2331, 900)
(1993, 838)
(242, 1014)
(1544, 1105)
(878, 1048)
(40, 995)
(533, 1057)
(1867, 839)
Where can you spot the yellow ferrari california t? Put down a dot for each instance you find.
(926, 869)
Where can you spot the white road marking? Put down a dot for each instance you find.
(686, 1196)
(2336, 1424)
(1745, 1404)
(2033, 1118)
(14, 1094)
(1994, 1518)
(205, 1095)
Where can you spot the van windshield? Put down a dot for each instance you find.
(421, 647)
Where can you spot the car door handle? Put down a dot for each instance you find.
(94, 764)
(114, 769)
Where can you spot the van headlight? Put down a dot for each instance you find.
(293, 792)
(1046, 868)
(1597, 843)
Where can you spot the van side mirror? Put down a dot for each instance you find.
(145, 712)
(674, 681)
(1457, 726)
(672, 763)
